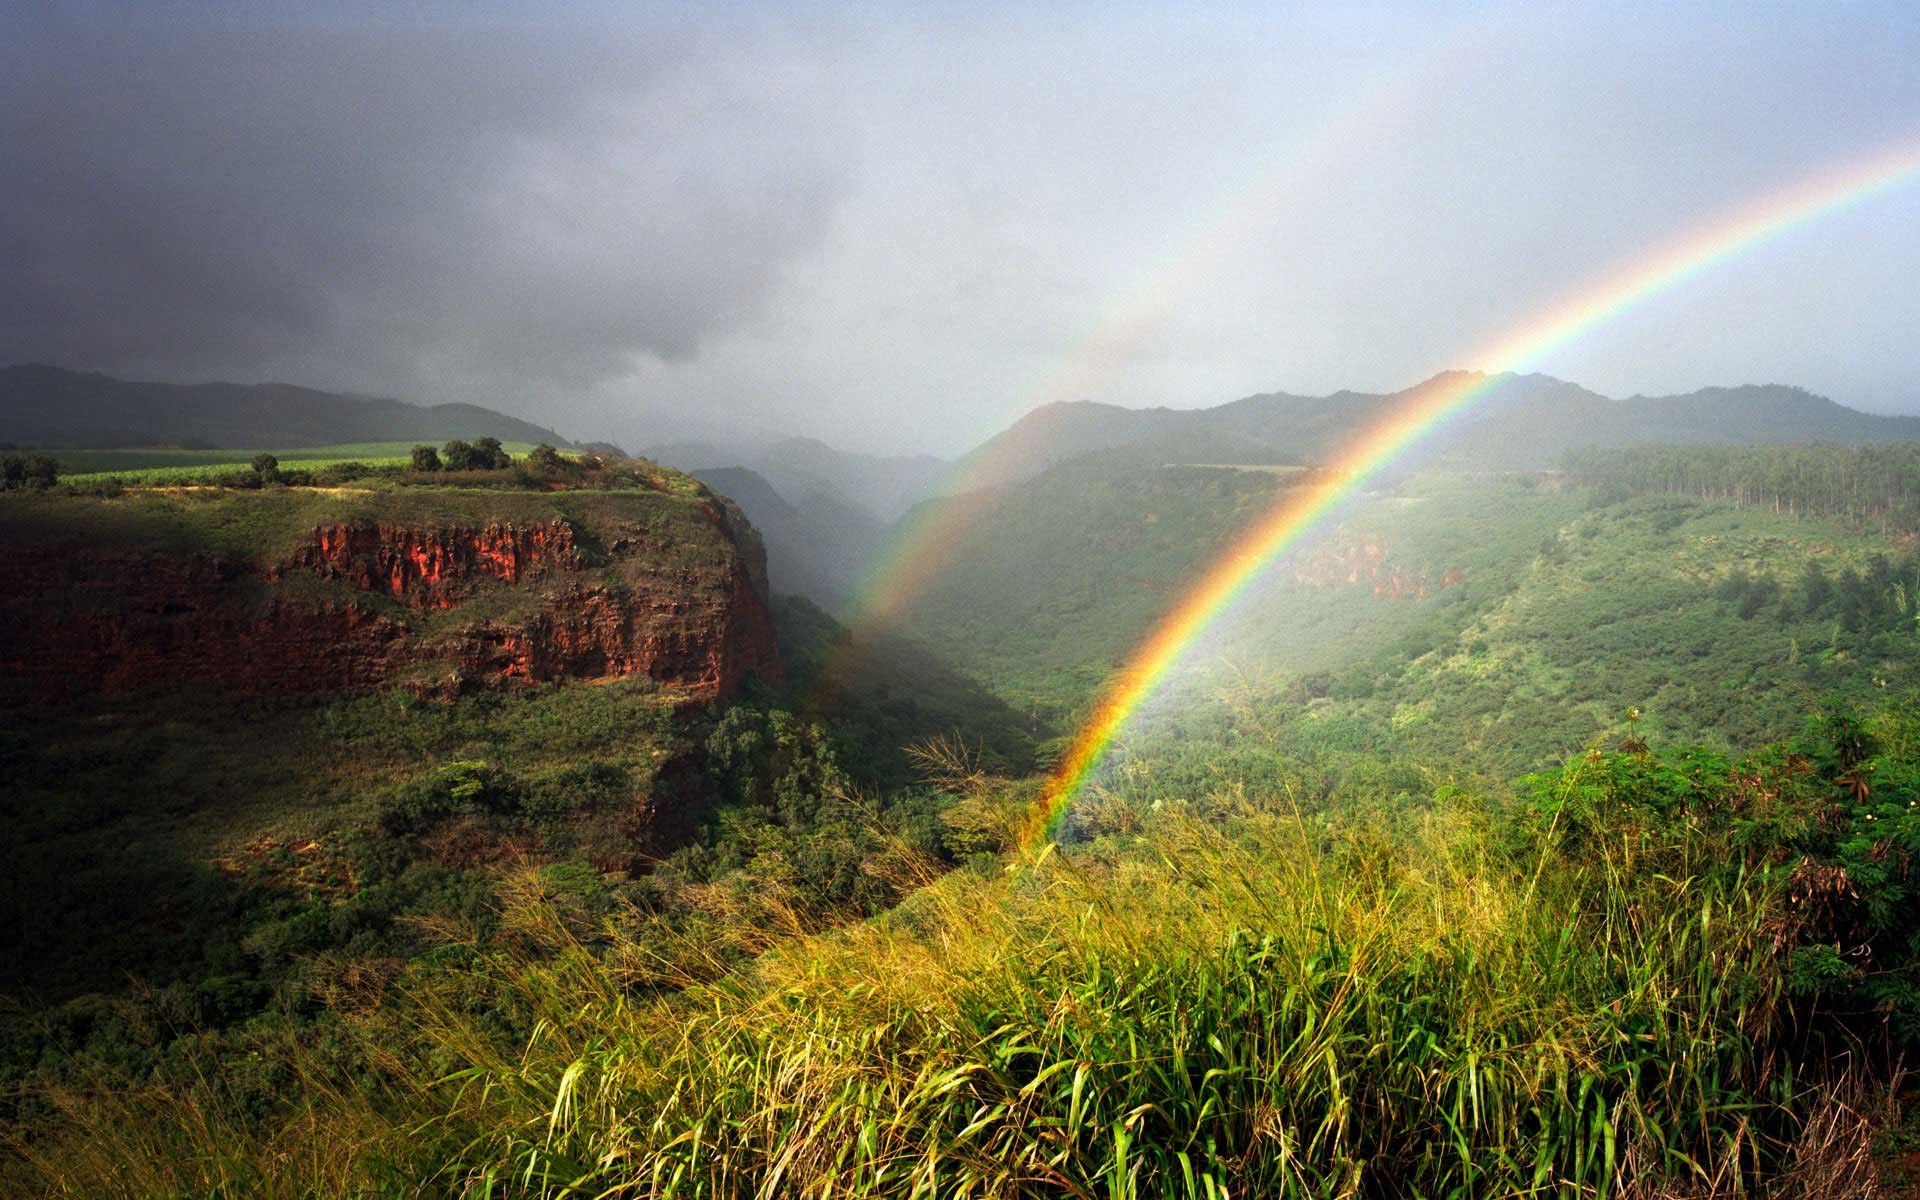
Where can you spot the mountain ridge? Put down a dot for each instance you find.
(1540, 419)
(50, 407)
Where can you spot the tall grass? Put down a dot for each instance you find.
(1249, 1004)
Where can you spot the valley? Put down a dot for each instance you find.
(318, 761)
(959, 602)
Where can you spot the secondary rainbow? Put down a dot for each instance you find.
(1300, 508)
(924, 546)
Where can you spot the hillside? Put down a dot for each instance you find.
(50, 408)
(1523, 422)
(517, 915)
(1498, 623)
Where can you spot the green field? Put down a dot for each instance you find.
(162, 465)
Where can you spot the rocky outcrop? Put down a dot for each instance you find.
(598, 633)
(73, 623)
(362, 604)
(436, 568)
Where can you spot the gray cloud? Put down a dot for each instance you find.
(480, 206)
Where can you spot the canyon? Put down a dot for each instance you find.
(667, 587)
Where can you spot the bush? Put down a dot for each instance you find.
(340, 473)
(426, 458)
(1830, 822)
(459, 456)
(483, 454)
(489, 454)
(23, 471)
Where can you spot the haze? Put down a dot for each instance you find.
(899, 228)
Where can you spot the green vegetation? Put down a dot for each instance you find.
(1496, 623)
(22, 471)
(1509, 839)
(1878, 483)
(1629, 983)
(176, 468)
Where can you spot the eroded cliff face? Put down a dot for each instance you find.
(1367, 562)
(437, 568)
(366, 603)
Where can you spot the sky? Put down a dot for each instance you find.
(899, 227)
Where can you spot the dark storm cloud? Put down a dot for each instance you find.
(902, 225)
(413, 206)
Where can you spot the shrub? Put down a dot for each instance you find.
(21, 471)
(340, 473)
(426, 458)
(489, 454)
(1830, 822)
(460, 456)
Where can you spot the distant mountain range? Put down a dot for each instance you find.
(825, 513)
(1521, 422)
(886, 487)
(52, 408)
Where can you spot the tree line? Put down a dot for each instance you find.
(1878, 483)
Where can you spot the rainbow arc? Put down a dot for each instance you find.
(1420, 412)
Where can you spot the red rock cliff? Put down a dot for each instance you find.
(436, 568)
(362, 604)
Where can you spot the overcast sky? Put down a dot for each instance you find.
(899, 227)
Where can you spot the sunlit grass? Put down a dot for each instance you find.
(1249, 1004)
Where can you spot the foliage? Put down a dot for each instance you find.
(21, 471)
(1875, 482)
(1302, 938)
(1229, 993)
(484, 454)
(1832, 820)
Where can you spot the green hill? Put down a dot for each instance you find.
(1498, 621)
(50, 408)
(1313, 931)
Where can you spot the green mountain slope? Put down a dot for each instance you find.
(49, 407)
(1499, 621)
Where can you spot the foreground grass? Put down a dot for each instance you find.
(1236, 1002)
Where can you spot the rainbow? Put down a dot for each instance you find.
(920, 550)
(1421, 411)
